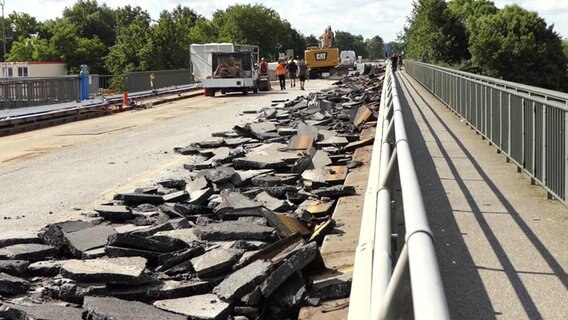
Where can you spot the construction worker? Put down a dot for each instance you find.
(263, 67)
(281, 73)
(302, 73)
(292, 68)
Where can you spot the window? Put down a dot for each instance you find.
(7, 72)
(22, 71)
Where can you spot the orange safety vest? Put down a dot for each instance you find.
(280, 69)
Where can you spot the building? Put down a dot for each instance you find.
(32, 69)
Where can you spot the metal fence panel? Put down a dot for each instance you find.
(555, 151)
(140, 81)
(28, 92)
(527, 123)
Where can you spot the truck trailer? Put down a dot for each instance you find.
(225, 67)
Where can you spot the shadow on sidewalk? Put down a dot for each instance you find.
(513, 275)
(466, 294)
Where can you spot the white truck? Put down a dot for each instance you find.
(348, 59)
(225, 67)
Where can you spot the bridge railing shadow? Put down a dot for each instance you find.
(467, 296)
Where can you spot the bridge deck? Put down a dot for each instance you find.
(502, 246)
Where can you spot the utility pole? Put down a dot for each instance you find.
(2, 3)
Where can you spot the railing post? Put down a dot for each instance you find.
(509, 128)
(544, 144)
(523, 135)
(500, 120)
(566, 156)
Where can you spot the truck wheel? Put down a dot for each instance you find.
(223, 91)
(211, 92)
(255, 90)
(245, 91)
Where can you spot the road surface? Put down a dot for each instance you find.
(57, 173)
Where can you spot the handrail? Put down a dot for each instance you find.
(378, 290)
(519, 87)
(528, 124)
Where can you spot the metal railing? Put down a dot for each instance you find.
(528, 124)
(29, 92)
(380, 287)
(141, 81)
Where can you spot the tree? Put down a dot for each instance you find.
(311, 40)
(296, 42)
(92, 20)
(375, 47)
(434, 34)
(565, 47)
(19, 26)
(255, 25)
(468, 11)
(132, 51)
(171, 38)
(347, 41)
(127, 15)
(31, 49)
(205, 31)
(517, 45)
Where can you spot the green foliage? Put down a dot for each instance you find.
(253, 24)
(171, 38)
(31, 49)
(375, 47)
(126, 39)
(517, 45)
(347, 41)
(434, 34)
(511, 43)
(92, 20)
(131, 52)
(468, 11)
(311, 40)
(296, 42)
(18, 26)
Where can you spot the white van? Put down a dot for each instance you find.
(348, 58)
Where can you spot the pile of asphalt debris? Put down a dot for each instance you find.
(236, 238)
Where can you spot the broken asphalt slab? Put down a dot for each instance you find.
(129, 270)
(243, 281)
(105, 308)
(30, 252)
(231, 230)
(201, 307)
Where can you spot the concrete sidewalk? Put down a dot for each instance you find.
(501, 245)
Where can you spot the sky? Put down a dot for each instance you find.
(368, 18)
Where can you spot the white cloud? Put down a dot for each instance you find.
(366, 17)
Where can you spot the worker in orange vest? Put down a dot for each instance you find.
(281, 73)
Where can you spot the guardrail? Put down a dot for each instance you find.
(380, 287)
(528, 124)
(28, 92)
